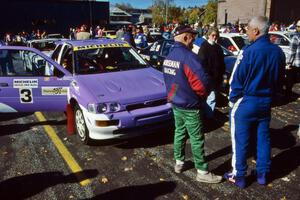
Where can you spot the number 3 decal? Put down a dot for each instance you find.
(26, 95)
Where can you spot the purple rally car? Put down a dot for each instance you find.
(109, 87)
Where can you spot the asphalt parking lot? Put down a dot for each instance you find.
(34, 167)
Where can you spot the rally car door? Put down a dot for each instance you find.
(30, 81)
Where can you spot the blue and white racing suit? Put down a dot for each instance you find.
(257, 74)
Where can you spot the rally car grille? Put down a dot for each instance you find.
(146, 104)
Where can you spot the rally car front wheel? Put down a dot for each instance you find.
(80, 125)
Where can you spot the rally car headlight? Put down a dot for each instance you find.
(114, 107)
(102, 107)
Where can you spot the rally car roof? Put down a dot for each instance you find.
(79, 43)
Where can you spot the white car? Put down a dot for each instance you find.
(233, 42)
(283, 40)
(46, 46)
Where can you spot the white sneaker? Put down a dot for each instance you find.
(178, 168)
(208, 178)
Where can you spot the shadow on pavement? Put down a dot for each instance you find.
(10, 116)
(222, 152)
(215, 123)
(11, 129)
(143, 192)
(285, 162)
(283, 138)
(282, 100)
(25, 186)
(153, 139)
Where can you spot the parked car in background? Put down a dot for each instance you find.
(112, 34)
(283, 40)
(46, 46)
(233, 42)
(55, 36)
(153, 37)
(158, 51)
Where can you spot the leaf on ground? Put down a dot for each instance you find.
(124, 158)
(283, 198)
(71, 197)
(104, 179)
(19, 173)
(286, 179)
(185, 197)
(161, 179)
(89, 159)
(270, 185)
(128, 169)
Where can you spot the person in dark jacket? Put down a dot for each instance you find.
(128, 37)
(212, 57)
(187, 87)
(256, 77)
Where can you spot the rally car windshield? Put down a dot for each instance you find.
(103, 60)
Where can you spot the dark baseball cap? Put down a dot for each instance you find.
(184, 29)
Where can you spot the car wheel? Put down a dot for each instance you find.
(80, 125)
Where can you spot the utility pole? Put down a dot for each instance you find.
(91, 13)
(167, 6)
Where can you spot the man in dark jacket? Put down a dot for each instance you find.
(128, 37)
(212, 57)
(187, 88)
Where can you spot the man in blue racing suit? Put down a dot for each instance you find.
(257, 75)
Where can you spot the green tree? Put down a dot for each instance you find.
(194, 16)
(210, 15)
(161, 11)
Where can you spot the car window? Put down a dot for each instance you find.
(279, 40)
(67, 59)
(56, 52)
(225, 42)
(23, 63)
(44, 46)
(239, 41)
(109, 59)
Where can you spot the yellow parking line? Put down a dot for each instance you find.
(64, 152)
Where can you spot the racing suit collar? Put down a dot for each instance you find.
(179, 44)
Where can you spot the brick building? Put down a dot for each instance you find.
(243, 10)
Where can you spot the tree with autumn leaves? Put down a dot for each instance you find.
(161, 14)
(165, 11)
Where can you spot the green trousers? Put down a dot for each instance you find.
(188, 123)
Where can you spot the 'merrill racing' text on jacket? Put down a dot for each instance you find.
(186, 81)
(259, 70)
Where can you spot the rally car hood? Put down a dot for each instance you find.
(126, 86)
